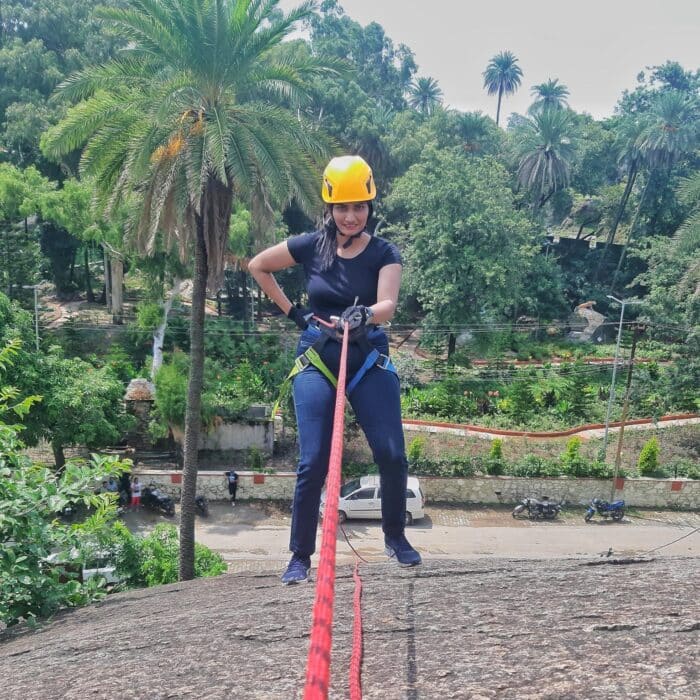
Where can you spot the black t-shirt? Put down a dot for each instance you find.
(332, 291)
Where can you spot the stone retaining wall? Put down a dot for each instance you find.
(683, 494)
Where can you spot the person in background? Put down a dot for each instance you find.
(135, 493)
(232, 481)
(352, 279)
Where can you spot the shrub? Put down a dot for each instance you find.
(572, 461)
(532, 465)
(684, 468)
(255, 459)
(415, 450)
(442, 400)
(648, 463)
(159, 557)
(494, 464)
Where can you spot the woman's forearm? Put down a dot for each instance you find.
(383, 311)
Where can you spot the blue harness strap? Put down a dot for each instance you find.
(374, 358)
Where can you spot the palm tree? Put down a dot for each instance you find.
(476, 131)
(186, 119)
(502, 77)
(629, 160)
(546, 153)
(424, 95)
(550, 94)
(670, 130)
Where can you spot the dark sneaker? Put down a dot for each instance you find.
(297, 570)
(399, 548)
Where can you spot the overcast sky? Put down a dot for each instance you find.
(596, 48)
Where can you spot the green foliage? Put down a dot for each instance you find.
(20, 191)
(153, 560)
(466, 247)
(31, 495)
(118, 360)
(82, 405)
(415, 449)
(255, 460)
(407, 368)
(495, 464)
(43, 41)
(520, 399)
(533, 465)
(171, 389)
(683, 468)
(648, 463)
(443, 400)
(572, 460)
(149, 316)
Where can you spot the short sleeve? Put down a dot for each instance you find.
(302, 247)
(390, 256)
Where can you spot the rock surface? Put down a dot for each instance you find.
(479, 629)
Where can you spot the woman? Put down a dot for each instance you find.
(354, 277)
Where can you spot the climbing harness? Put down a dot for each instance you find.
(311, 357)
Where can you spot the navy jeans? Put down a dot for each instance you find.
(376, 401)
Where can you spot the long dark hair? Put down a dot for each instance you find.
(327, 243)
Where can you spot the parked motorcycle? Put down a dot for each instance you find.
(536, 508)
(156, 500)
(614, 510)
(201, 505)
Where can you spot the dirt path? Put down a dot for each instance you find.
(255, 537)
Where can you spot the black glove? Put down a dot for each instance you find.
(355, 317)
(300, 316)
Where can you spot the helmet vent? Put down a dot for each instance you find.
(329, 187)
(368, 185)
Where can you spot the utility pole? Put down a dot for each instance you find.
(638, 330)
(611, 398)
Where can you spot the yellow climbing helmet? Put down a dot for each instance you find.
(348, 179)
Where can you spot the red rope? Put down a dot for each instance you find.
(319, 658)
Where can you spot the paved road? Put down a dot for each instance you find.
(254, 536)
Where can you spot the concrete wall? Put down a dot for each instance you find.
(645, 493)
(225, 437)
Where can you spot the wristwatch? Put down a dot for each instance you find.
(370, 314)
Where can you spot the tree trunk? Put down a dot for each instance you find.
(498, 108)
(159, 333)
(193, 418)
(71, 276)
(630, 236)
(451, 345)
(58, 457)
(117, 285)
(108, 280)
(631, 178)
(88, 284)
(246, 299)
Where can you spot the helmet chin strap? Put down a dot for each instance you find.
(348, 243)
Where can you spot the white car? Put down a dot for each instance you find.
(362, 498)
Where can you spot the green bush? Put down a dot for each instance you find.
(494, 464)
(415, 450)
(573, 462)
(153, 560)
(648, 464)
(684, 468)
(532, 465)
(255, 459)
(446, 399)
(353, 470)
